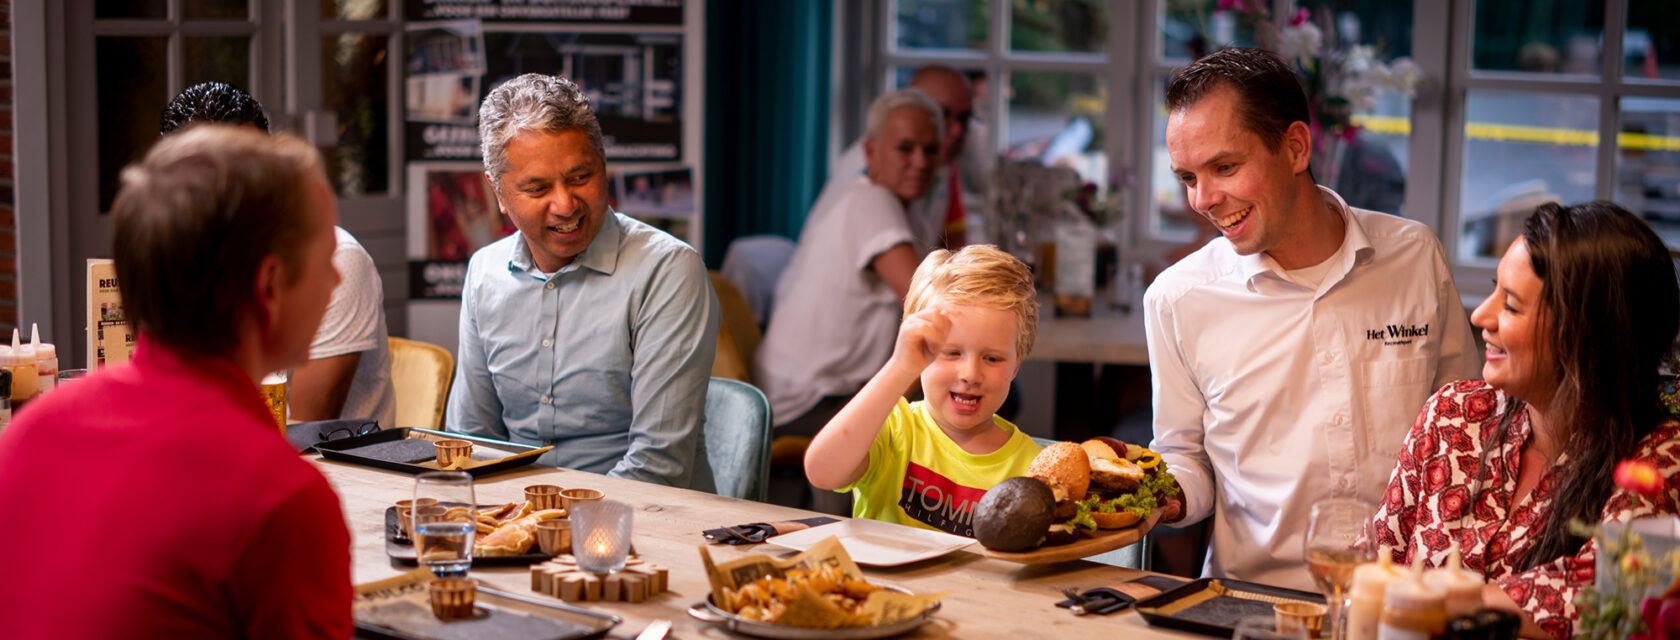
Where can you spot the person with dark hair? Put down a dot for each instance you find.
(212, 102)
(197, 519)
(1500, 466)
(588, 329)
(348, 373)
(1290, 354)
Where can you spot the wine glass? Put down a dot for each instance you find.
(1266, 628)
(443, 534)
(1338, 540)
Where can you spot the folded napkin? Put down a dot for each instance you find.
(760, 531)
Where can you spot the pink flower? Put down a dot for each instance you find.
(1640, 477)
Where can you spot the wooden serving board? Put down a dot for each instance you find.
(1107, 540)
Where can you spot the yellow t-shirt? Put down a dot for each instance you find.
(918, 477)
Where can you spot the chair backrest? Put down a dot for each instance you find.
(738, 334)
(421, 373)
(755, 265)
(738, 439)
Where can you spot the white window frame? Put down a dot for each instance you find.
(1133, 65)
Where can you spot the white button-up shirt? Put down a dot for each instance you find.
(1270, 396)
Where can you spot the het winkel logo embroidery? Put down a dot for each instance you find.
(1397, 334)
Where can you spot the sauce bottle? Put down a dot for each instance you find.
(1413, 610)
(20, 360)
(1463, 588)
(1365, 595)
(46, 360)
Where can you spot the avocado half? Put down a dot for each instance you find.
(1014, 514)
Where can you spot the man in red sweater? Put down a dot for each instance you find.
(157, 499)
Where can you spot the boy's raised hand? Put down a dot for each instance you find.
(919, 338)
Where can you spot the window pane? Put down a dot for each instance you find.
(1369, 160)
(1169, 217)
(130, 8)
(1539, 37)
(131, 75)
(1648, 163)
(215, 9)
(1059, 25)
(353, 84)
(220, 59)
(1652, 41)
(1189, 26)
(942, 24)
(1057, 118)
(352, 9)
(1521, 150)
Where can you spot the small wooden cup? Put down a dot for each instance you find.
(405, 515)
(452, 598)
(428, 513)
(449, 450)
(1300, 615)
(554, 536)
(572, 496)
(544, 496)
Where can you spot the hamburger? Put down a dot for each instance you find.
(1101, 483)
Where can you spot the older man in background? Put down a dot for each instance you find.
(194, 517)
(588, 329)
(941, 205)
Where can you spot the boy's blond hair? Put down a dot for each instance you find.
(982, 276)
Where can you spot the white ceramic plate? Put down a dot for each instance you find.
(877, 543)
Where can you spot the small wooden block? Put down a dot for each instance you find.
(560, 577)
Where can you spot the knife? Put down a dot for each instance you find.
(655, 631)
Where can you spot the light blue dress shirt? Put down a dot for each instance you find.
(607, 359)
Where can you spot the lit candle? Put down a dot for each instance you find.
(605, 530)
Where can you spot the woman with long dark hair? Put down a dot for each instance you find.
(1500, 466)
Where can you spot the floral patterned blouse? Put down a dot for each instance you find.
(1427, 504)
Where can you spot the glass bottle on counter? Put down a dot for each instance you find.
(1075, 258)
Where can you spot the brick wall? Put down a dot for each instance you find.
(8, 219)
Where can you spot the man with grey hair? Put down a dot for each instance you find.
(942, 202)
(587, 330)
(838, 304)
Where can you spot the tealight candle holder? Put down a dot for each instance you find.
(601, 535)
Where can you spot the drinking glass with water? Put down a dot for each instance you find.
(443, 535)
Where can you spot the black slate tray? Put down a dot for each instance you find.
(401, 550)
(1226, 603)
(386, 449)
(497, 615)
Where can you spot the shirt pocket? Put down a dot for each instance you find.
(1395, 391)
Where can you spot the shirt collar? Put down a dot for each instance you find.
(601, 255)
(1355, 248)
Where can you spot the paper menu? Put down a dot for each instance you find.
(109, 338)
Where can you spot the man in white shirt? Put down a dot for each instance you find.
(955, 95)
(1291, 355)
(348, 373)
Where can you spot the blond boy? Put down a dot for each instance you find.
(969, 319)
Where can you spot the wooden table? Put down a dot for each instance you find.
(1107, 336)
(988, 598)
